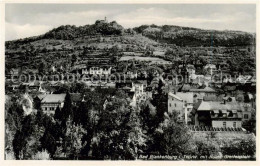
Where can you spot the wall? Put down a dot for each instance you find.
(175, 105)
(228, 123)
(49, 108)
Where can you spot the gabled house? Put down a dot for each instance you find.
(200, 93)
(225, 114)
(49, 102)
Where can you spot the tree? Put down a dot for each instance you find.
(37, 103)
(58, 114)
(206, 147)
(241, 146)
(173, 138)
(73, 139)
(67, 108)
(160, 87)
(119, 135)
(48, 142)
(148, 119)
(44, 155)
(149, 78)
(160, 102)
(26, 141)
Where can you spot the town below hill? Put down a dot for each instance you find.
(103, 92)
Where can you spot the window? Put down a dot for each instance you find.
(170, 105)
(45, 108)
(224, 124)
(245, 116)
(234, 124)
(175, 104)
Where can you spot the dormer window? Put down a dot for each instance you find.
(224, 113)
(220, 113)
(230, 114)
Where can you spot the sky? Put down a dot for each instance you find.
(25, 20)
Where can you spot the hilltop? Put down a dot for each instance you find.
(187, 36)
(170, 34)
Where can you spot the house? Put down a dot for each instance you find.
(49, 102)
(225, 114)
(182, 103)
(94, 70)
(138, 87)
(200, 93)
(175, 103)
(210, 68)
(12, 73)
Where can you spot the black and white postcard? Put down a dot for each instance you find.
(129, 81)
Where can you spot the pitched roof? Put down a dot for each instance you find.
(53, 98)
(215, 105)
(188, 97)
(174, 96)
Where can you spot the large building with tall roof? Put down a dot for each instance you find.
(49, 102)
(227, 113)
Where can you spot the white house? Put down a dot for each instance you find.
(97, 70)
(182, 103)
(50, 102)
